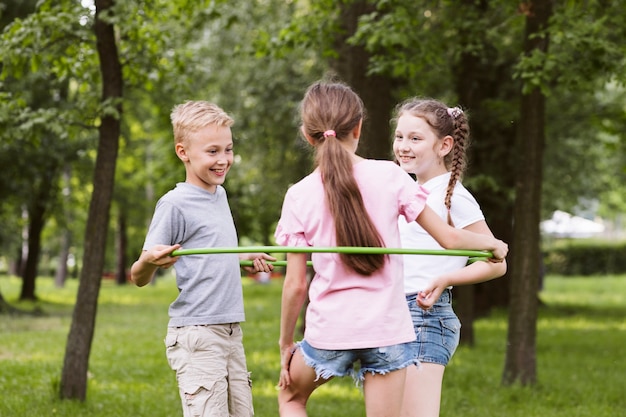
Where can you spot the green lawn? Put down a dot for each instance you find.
(580, 356)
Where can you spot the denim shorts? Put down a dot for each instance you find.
(438, 330)
(381, 360)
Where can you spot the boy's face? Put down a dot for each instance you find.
(207, 155)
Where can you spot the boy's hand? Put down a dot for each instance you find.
(150, 260)
(159, 255)
(259, 260)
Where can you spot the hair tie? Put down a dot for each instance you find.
(330, 133)
(454, 112)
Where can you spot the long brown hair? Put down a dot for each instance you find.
(332, 106)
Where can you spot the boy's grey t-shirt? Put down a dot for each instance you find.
(209, 286)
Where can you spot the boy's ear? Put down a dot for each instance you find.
(181, 152)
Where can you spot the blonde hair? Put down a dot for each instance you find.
(192, 116)
(330, 112)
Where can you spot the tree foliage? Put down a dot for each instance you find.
(255, 58)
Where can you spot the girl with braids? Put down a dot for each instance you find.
(357, 310)
(430, 143)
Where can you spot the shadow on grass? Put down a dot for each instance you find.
(7, 309)
(604, 312)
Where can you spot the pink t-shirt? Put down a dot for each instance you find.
(348, 310)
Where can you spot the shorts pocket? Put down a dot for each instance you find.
(451, 332)
(170, 340)
(174, 352)
(206, 396)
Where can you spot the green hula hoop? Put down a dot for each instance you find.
(472, 254)
(275, 263)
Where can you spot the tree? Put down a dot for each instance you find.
(74, 376)
(333, 30)
(351, 63)
(269, 83)
(457, 52)
(520, 362)
(108, 13)
(18, 10)
(32, 147)
(37, 125)
(540, 70)
(482, 76)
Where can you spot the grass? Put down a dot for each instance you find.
(580, 356)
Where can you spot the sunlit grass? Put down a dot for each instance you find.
(581, 333)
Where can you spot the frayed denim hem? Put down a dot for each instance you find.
(320, 371)
(359, 376)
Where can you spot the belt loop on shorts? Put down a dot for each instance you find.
(445, 297)
(230, 325)
(447, 292)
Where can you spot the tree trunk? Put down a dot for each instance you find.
(520, 364)
(74, 376)
(36, 222)
(122, 248)
(375, 91)
(29, 270)
(478, 81)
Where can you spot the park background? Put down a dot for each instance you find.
(86, 147)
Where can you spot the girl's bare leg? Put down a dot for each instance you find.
(292, 400)
(422, 391)
(384, 393)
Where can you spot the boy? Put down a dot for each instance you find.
(204, 340)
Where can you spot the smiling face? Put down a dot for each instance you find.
(208, 155)
(418, 149)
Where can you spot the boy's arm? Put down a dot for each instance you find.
(149, 261)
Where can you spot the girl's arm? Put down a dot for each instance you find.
(452, 238)
(295, 289)
(474, 273)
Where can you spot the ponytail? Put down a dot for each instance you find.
(330, 112)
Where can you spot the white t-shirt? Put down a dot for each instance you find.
(419, 270)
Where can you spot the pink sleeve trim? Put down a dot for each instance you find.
(289, 239)
(416, 205)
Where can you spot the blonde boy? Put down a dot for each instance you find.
(204, 339)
